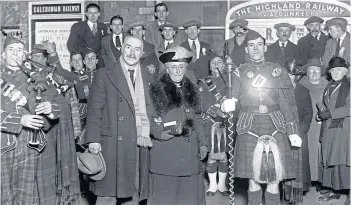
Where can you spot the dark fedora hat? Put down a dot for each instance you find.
(92, 165)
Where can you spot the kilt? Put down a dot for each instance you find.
(176, 190)
(18, 170)
(246, 144)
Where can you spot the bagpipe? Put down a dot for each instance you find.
(44, 85)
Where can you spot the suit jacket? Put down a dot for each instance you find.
(309, 47)
(154, 36)
(274, 54)
(82, 36)
(109, 52)
(150, 58)
(330, 48)
(201, 66)
(236, 52)
(111, 122)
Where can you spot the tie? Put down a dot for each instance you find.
(316, 37)
(118, 43)
(193, 49)
(337, 50)
(131, 75)
(94, 30)
(167, 45)
(282, 48)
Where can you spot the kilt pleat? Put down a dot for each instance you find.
(246, 144)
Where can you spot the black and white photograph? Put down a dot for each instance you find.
(175, 102)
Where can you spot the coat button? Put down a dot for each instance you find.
(121, 118)
(120, 138)
(120, 99)
(188, 140)
(187, 110)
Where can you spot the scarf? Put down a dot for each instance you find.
(138, 97)
(340, 100)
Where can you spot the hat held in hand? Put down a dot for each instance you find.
(92, 165)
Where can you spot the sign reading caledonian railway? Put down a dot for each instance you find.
(262, 15)
(70, 8)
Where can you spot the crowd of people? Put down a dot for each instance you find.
(142, 118)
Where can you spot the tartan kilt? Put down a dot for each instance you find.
(246, 144)
(18, 170)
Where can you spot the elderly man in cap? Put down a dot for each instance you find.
(267, 122)
(282, 49)
(312, 45)
(334, 112)
(339, 44)
(149, 59)
(179, 142)
(235, 46)
(199, 64)
(111, 44)
(118, 126)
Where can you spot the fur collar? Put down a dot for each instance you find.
(165, 95)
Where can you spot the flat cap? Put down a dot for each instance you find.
(313, 19)
(238, 22)
(279, 25)
(137, 21)
(168, 24)
(39, 48)
(86, 50)
(336, 22)
(192, 23)
(176, 54)
(92, 165)
(253, 35)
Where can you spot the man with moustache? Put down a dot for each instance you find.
(235, 46)
(312, 45)
(118, 127)
(111, 45)
(339, 44)
(88, 34)
(282, 49)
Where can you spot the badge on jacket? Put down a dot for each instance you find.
(276, 72)
(158, 120)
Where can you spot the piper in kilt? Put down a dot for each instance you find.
(213, 90)
(267, 121)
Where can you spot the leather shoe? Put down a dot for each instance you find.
(329, 196)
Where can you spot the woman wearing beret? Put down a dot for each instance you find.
(179, 145)
(334, 112)
(305, 113)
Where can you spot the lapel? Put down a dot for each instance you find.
(346, 42)
(117, 78)
(161, 48)
(113, 51)
(276, 50)
(186, 45)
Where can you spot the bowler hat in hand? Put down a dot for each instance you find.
(92, 165)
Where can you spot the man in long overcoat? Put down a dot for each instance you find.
(118, 126)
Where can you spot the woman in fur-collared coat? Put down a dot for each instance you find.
(179, 145)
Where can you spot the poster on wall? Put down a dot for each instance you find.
(55, 31)
(53, 21)
(262, 15)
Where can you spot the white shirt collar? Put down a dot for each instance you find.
(318, 36)
(90, 24)
(198, 46)
(168, 41)
(342, 38)
(114, 38)
(285, 43)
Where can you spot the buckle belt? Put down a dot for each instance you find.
(261, 109)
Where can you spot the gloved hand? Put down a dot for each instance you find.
(94, 148)
(166, 136)
(203, 152)
(324, 115)
(228, 105)
(295, 140)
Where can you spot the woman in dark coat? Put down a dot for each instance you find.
(179, 144)
(305, 112)
(334, 112)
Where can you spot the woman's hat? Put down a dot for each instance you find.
(338, 62)
(314, 62)
(176, 54)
